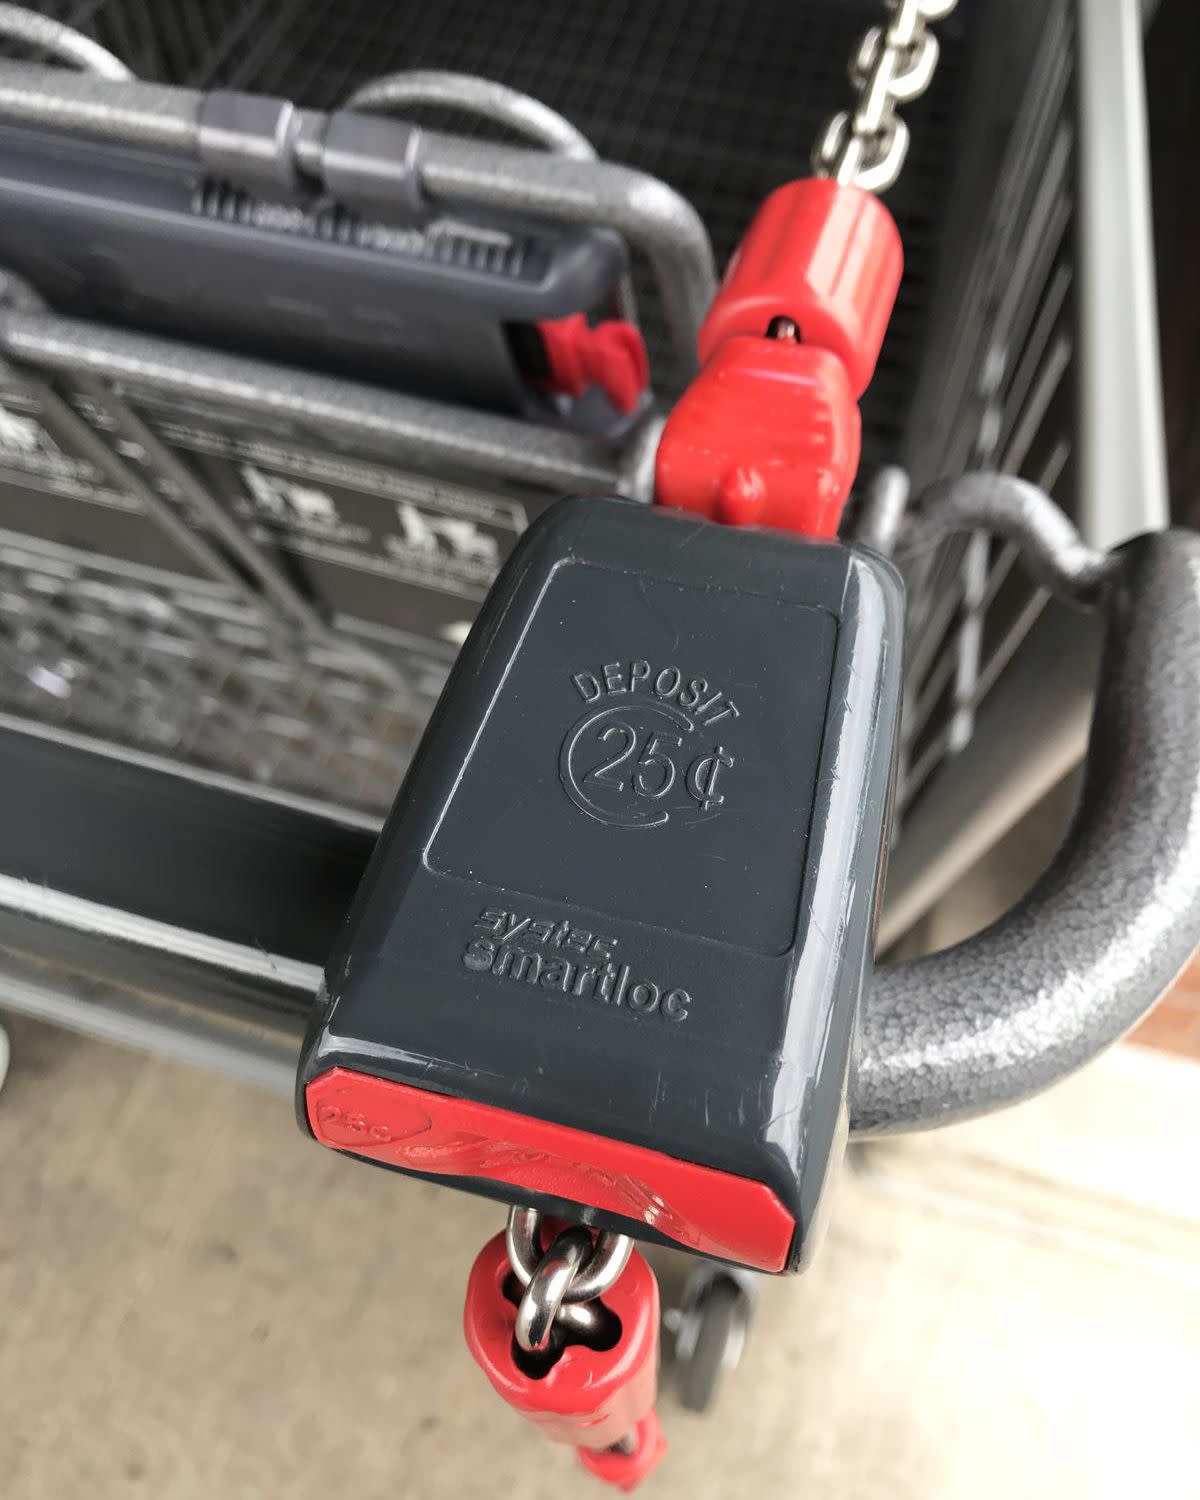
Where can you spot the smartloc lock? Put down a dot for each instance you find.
(608, 955)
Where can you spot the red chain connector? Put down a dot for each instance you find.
(768, 433)
(767, 436)
(597, 1396)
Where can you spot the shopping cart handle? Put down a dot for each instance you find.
(1112, 922)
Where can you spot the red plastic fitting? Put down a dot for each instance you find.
(589, 1398)
(705, 1210)
(768, 434)
(625, 1471)
(611, 355)
(827, 256)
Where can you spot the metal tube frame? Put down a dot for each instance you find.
(404, 428)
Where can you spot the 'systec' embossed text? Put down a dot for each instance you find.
(554, 955)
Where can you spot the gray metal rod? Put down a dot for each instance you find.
(20, 24)
(481, 96)
(141, 114)
(1112, 922)
(405, 427)
(1121, 454)
(274, 584)
(651, 215)
(1013, 508)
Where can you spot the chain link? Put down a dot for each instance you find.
(560, 1281)
(546, 1293)
(892, 64)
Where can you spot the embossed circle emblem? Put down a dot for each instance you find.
(642, 764)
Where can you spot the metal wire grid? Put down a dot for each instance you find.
(972, 607)
(189, 670)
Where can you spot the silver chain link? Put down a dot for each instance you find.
(892, 64)
(559, 1282)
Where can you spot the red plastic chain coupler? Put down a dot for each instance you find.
(769, 431)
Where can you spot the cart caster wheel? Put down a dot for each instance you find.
(711, 1334)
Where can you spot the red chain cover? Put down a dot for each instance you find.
(768, 434)
(589, 1398)
(824, 254)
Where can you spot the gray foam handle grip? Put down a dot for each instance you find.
(1111, 923)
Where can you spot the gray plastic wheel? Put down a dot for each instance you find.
(722, 1315)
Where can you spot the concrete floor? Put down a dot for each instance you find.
(197, 1302)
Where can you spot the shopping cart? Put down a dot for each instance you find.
(200, 732)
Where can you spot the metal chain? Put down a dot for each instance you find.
(892, 64)
(560, 1280)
